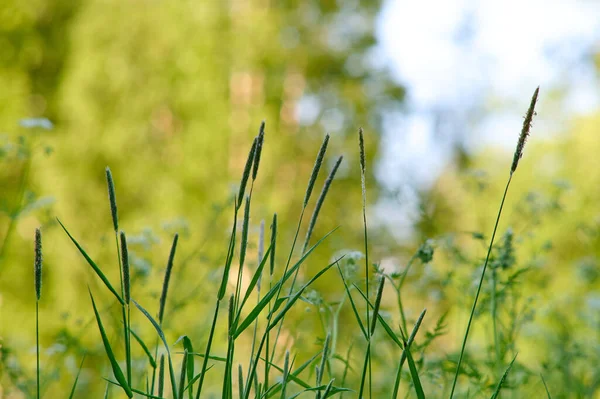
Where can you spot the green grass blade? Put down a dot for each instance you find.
(382, 321)
(404, 355)
(93, 265)
(253, 283)
(117, 372)
(496, 394)
(546, 387)
(207, 351)
(256, 311)
(360, 324)
(76, 378)
(414, 375)
(135, 391)
(182, 374)
(164, 340)
(144, 348)
(296, 296)
(187, 344)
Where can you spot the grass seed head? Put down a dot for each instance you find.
(125, 262)
(246, 174)
(525, 131)
(259, 145)
(112, 199)
(38, 264)
(315, 171)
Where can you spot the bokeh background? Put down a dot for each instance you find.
(170, 94)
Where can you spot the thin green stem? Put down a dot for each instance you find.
(37, 347)
(494, 304)
(487, 258)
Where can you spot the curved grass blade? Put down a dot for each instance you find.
(117, 372)
(546, 387)
(93, 265)
(164, 340)
(187, 344)
(253, 282)
(144, 348)
(274, 290)
(296, 296)
(496, 394)
(404, 355)
(76, 378)
(381, 320)
(415, 375)
(134, 391)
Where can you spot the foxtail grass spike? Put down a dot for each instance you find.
(525, 131)
(273, 243)
(126, 276)
(165, 287)
(259, 145)
(161, 376)
(320, 200)
(315, 171)
(112, 199)
(246, 174)
(38, 264)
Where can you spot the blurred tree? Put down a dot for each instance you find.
(169, 95)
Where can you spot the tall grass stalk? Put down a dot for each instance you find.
(361, 145)
(517, 156)
(307, 195)
(37, 265)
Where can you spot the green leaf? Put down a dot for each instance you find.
(496, 394)
(414, 375)
(164, 340)
(118, 373)
(76, 378)
(93, 265)
(144, 348)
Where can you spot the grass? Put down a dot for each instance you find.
(253, 361)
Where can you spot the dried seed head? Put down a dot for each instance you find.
(112, 199)
(38, 264)
(259, 145)
(315, 172)
(125, 263)
(525, 131)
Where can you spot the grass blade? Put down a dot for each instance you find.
(144, 348)
(117, 372)
(76, 378)
(546, 387)
(404, 355)
(496, 394)
(164, 340)
(414, 375)
(93, 265)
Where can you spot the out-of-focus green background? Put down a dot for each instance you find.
(170, 94)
